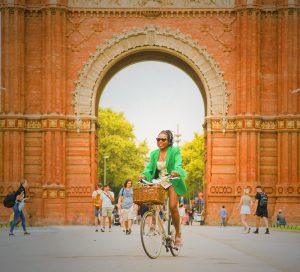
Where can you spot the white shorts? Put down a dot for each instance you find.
(127, 214)
(245, 209)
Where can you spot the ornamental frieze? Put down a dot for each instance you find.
(40, 124)
(233, 124)
(151, 4)
(287, 190)
(271, 190)
(221, 190)
(61, 193)
(214, 124)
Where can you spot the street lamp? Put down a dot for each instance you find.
(105, 157)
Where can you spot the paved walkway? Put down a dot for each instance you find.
(80, 248)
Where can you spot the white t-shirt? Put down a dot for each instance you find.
(106, 202)
(181, 211)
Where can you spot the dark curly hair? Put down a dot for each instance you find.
(169, 135)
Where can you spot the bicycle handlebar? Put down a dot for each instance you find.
(146, 182)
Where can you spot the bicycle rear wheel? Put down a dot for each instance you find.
(171, 232)
(151, 235)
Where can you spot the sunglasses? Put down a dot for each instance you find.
(161, 139)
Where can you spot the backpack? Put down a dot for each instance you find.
(263, 200)
(10, 200)
(97, 200)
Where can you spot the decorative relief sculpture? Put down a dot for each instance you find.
(76, 36)
(220, 37)
(220, 190)
(33, 124)
(11, 123)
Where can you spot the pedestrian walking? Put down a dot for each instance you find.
(261, 203)
(96, 196)
(245, 207)
(181, 213)
(126, 204)
(164, 161)
(223, 216)
(18, 208)
(107, 199)
(191, 216)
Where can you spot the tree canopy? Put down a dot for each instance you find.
(193, 162)
(117, 140)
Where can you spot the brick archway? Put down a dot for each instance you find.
(151, 39)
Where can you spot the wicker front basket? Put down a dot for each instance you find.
(149, 195)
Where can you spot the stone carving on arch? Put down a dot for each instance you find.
(211, 76)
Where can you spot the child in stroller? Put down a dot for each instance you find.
(116, 216)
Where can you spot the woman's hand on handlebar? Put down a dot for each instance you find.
(141, 177)
(174, 174)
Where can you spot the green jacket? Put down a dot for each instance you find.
(173, 162)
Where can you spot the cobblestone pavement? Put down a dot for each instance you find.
(80, 248)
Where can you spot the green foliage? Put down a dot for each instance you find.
(117, 140)
(291, 228)
(193, 162)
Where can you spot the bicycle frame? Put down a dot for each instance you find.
(166, 239)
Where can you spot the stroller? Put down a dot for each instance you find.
(116, 219)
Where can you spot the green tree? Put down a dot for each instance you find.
(117, 140)
(193, 162)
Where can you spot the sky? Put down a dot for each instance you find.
(155, 96)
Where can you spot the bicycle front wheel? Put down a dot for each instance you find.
(151, 235)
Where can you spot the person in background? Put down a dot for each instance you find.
(261, 203)
(126, 204)
(96, 196)
(19, 207)
(223, 215)
(245, 204)
(191, 216)
(280, 219)
(107, 199)
(181, 213)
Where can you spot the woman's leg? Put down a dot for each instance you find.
(246, 221)
(103, 221)
(173, 204)
(243, 220)
(16, 217)
(23, 220)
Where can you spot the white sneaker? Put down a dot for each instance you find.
(109, 229)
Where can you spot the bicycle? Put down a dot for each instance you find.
(154, 234)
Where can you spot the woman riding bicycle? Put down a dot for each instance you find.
(164, 161)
